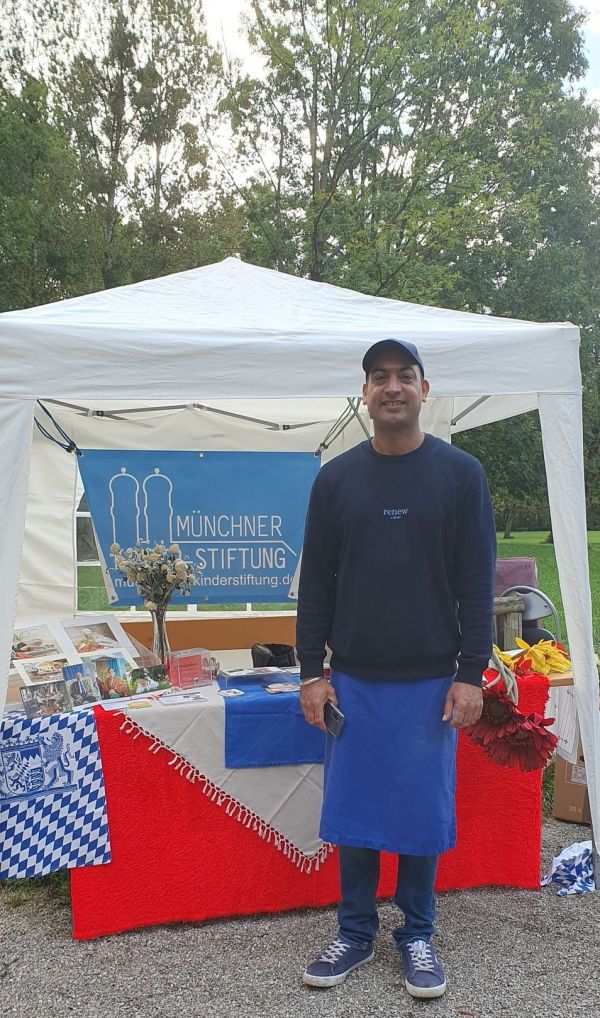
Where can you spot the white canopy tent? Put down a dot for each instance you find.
(264, 347)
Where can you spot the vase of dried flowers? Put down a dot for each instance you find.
(160, 638)
(158, 573)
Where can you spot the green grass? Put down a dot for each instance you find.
(532, 544)
(92, 597)
(54, 888)
(547, 791)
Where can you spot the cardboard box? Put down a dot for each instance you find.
(571, 800)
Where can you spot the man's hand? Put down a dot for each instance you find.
(313, 698)
(463, 706)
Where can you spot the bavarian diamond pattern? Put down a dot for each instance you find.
(572, 870)
(52, 801)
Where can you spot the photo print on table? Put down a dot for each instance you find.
(33, 642)
(41, 670)
(41, 640)
(97, 633)
(47, 698)
(111, 675)
(147, 680)
(82, 685)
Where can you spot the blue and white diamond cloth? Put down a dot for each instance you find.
(572, 869)
(52, 801)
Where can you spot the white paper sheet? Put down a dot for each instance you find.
(563, 707)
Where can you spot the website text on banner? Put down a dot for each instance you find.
(237, 516)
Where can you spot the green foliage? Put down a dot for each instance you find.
(44, 246)
(511, 454)
(415, 123)
(129, 84)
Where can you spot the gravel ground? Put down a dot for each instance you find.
(507, 954)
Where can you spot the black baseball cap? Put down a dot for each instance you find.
(391, 344)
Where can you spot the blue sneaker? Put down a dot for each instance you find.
(335, 963)
(423, 974)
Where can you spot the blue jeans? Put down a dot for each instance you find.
(357, 912)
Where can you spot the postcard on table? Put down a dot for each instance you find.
(46, 698)
(94, 633)
(112, 674)
(175, 699)
(42, 670)
(146, 680)
(82, 685)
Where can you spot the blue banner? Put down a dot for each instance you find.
(237, 516)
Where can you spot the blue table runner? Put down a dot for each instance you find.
(268, 730)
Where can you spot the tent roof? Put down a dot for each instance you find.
(234, 331)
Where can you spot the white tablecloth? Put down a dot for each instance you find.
(286, 799)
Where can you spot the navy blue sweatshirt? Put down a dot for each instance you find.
(398, 566)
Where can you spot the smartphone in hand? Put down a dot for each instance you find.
(334, 719)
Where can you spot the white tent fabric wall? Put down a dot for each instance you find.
(562, 432)
(286, 350)
(16, 423)
(48, 577)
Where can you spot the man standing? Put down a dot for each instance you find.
(397, 578)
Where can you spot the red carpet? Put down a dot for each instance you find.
(177, 857)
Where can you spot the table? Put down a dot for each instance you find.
(179, 857)
(560, 679)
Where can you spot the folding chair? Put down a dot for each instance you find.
(538, 606)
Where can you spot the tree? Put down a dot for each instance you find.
(129, 81)
(511, 454)
(408, 117)
(46, 250)
(172, 104)
(95, 87)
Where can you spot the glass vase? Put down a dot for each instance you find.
(160, 640)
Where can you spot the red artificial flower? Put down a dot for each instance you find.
(508, 736)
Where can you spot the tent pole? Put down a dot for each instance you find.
(467, 410)
(335, 430)
(355, 403)
(114, 414)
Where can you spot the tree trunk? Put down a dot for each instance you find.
(278, 216)
(316, 248)
(157, 178)
(508, 522)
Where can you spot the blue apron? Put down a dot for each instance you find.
(390, 776)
